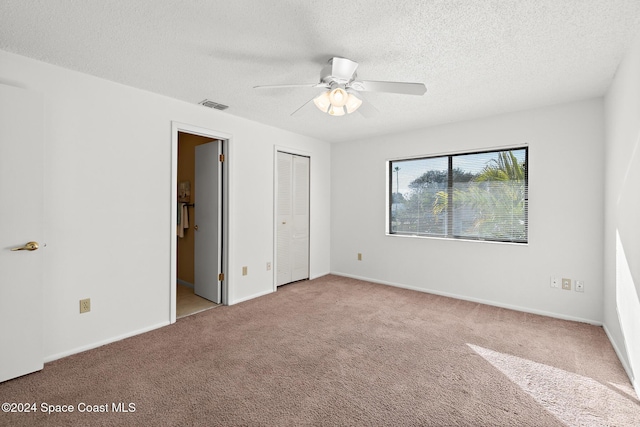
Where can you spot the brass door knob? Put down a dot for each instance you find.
(31, 246)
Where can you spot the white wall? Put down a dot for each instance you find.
(565, 214)
(622, 213)
(108, 202)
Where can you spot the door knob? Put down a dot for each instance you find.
(196, 227)
(31, 246)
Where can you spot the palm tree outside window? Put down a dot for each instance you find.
(478, 196)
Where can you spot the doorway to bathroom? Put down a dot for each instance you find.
(199, 251)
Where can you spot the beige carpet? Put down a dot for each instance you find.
(336, 352)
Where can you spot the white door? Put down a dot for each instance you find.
(21, 222)
(292, 218)
(208, 221)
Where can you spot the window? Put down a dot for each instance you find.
(478, 196)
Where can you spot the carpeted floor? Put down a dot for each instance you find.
(336, 352)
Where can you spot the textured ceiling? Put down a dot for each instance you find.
(476, 57)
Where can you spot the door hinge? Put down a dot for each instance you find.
(222, 157)
(220, 277)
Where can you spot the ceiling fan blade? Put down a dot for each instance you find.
(324, 85)
(343, 68)
(367, 110)
(303, 105)
(391, 87)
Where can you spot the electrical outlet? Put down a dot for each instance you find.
(85, 305)
(359, 256)
(566, 284)
(244, 270)
(268, 266)
(579, 285)
(554, 282)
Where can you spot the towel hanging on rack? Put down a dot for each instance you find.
(183, 219)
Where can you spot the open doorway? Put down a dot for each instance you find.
(198, 236)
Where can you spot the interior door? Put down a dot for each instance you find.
(292, 218)
(208, 221)
(21, 222)
(300, 231)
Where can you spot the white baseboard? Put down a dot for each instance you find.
(471, 299)
(185, 283)
(315, 276)
(259, 294)
(623, 360)
(267, 292)
(91, 346)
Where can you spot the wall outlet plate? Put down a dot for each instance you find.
(566, 284)
(85, 305)
(579, 285)
(555, 282)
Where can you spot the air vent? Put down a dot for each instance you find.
(210, 104)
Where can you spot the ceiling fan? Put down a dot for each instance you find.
(341, 94)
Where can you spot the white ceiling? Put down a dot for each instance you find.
(476, 57)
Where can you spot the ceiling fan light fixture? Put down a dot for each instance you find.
(336, 111)
(338, 97)
(353, 103)
(337, 102)
(322, 102)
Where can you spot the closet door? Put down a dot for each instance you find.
(300, 216)
(292, 216)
